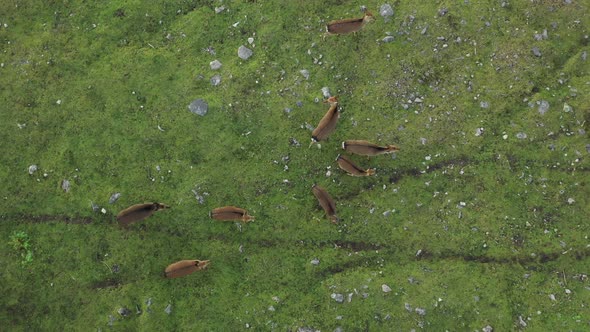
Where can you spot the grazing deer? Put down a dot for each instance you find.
(138, 212)
(230, 213)
(349, 167)
(348, 25)
(185, 267)
(327, 123)
(365, 148)
(326, 202)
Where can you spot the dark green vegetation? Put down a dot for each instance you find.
(476, 230)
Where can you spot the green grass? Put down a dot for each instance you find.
(479, 230)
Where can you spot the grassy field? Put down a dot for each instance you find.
(481, 219)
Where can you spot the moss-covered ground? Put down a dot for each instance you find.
(482, 218)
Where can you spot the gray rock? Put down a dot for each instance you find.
(584, 56)
(408, 307)
(543, 106)
(32, 169)
(215, 64)
(420, 311)
(94, 206)
(521, 321)
(521, 135)
(588, 148)
(244, 53)
(124, 312)
(484, 104)
(315, 261)
(488, 329)
(386, 11)
(198, 106)
(536, 52)
(114, 198)
(111, 320)
(65, 185)
(219, 9)
(299, 103)
(541, 36)
(305, 73)
(442, 11)
(478, 131)
(168, 309)
(216, 80)
(337, 297)
(388, 39)
(385, 288)
(326, 92)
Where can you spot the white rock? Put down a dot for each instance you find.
(215, 64)
(32, 169)
(385, 288)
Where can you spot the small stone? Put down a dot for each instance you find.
(536, 52)
(250, 40)
(584, 55)
(488, 328)
(115, 268)
(244, 53)
(442, 11)
(114, 198)
(168, 309)
(103, 211)
(567, 108)
(386, 11)
(521, 135)
(388, 39)
(552, 297)
(215, 64)
(32, 169)
(199, 107)
(305, 73)
(94, 206)
(326, 92)
(315, 261)
(216, 80)
(521, 321)
(337, 297)
(124, 312)
(385, 288)
(387, 213)
(484, 104)
(543, 106)
(588, 148)
(111, 320)
(65, 185)
(420, 311)
(408, 307)
(299, 103)
(219, 9)
(571, 200)
(478, 131)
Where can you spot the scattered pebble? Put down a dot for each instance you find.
(94, 206)
(250, 40)
(442, 11)
(216, 80)
(420, 311)
(386, 11)
(32, 169)
(543, 106)
(408, 307)
(552, 297)
(215, 64)
(567, 108)
(305, 73)
(168, 309)
(521, 321)
(536, 52)
(65, 185)
(219, 9)
(124, 312)
(326, 92)
(199, 107)
(484, 104)
(244, 53)
(111, 320)
(488, 328)
(478, 131)
(571, 200)
(114, 198)
(315, 261)
(521, 135)
(385, 288)
(337, 297)
(388, 39)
